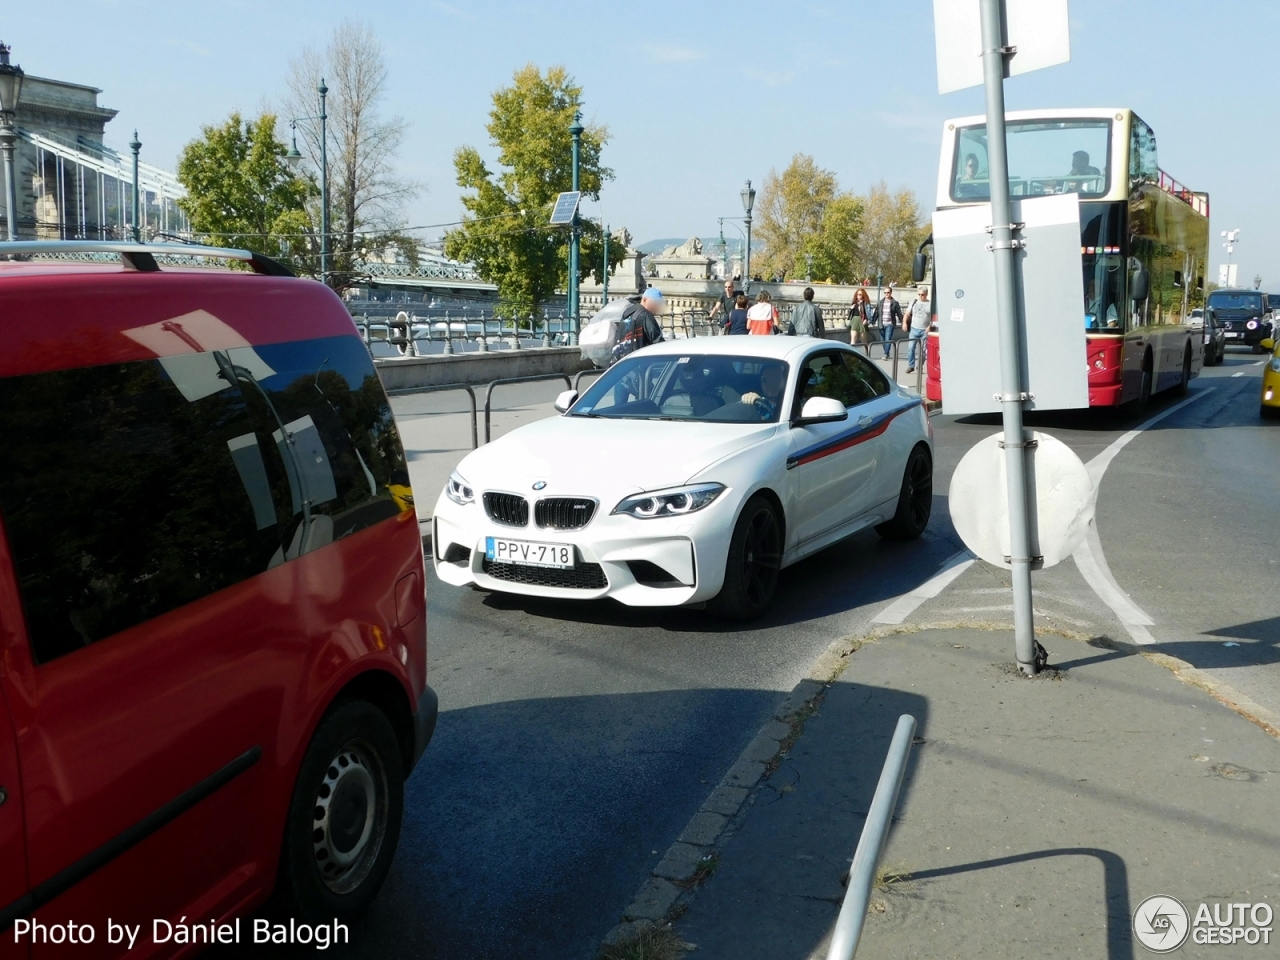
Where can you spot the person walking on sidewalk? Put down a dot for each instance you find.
(888, 318)
(762, 319)
(806, 319)
(724, 303)
(736, 322)
(916, 326)
(861, 317)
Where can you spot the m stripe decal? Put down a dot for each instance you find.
(852, 439)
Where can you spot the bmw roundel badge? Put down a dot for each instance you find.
(540, 485)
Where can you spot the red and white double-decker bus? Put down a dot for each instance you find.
(1143, 239)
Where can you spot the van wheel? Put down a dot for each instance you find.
(915, 499)
(344, 819)
(1185, 382)
(751, 569)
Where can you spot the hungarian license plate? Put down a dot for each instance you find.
(1230, 334)
(529, 553)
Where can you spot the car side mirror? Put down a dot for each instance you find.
(1268, 344)
(822, 410)
(566, 400)
(1141, 285)
(918, 264)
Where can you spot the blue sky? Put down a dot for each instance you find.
(699, 97)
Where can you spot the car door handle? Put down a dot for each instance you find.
(863, 421)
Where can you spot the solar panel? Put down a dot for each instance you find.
(566, 207)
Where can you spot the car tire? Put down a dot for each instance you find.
(1257, 348)
(752, 566)
(1268, 413)
(1184, 383)
(915, 498)
(344, 818)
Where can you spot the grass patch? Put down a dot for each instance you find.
(888, 875)
(654, 942)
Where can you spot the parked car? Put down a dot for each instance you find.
(1271, 380)
(213, 652)
(1213, 334)
(691, 472)
(1245, 316)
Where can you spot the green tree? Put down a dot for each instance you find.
(834, 248)
(241, 194)
(891, 232)
(791, 210)
(505, 233)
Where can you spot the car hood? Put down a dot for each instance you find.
(599, 457)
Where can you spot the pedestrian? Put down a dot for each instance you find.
(806, 319)
(724, 303)
(916, 326)
(762, 318)
(736, 323)
(638, 326)
(888, 318)
(861, 317)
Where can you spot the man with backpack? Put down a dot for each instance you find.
(638, 326)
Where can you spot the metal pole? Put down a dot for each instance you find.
(324, 184)
(576, 132)
(135, 145)
(604, 297)
(746, 268)
(1012, 378)
(862, 873)
(7, 136)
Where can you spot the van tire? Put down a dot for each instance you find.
(344, 817)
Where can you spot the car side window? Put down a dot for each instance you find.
(825, 375)
(870, 382)
(128, 490)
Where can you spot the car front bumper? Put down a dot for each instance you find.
(663, 562)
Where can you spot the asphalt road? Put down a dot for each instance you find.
(576, 740)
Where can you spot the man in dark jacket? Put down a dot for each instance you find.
(806, 319)
(638, 325)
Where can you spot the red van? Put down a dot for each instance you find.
(213, 649)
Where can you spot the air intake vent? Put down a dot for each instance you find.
(564, 513)
(507, 508)
(583, 576)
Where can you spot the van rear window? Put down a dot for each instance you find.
(128, 490)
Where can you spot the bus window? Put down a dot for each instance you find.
(1101, 231)
(1045, 157)
(1143, 163)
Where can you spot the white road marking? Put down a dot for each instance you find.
(1240, 374)
(1089, 557)
(905, 605)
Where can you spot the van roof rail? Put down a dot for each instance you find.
(142, 256)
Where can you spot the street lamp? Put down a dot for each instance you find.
(748, 201)
(135, 145)
(575, 132)
(808, 267)
(10, 92)
(294, 158)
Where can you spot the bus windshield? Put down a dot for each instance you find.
(1045, 157)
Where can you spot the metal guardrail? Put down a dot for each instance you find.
(577, 380)
(862, 874)
(462, 387)
(874, 351)
(488, 394)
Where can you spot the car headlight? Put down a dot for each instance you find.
(1275, 364)
(674, 502)
(1252, 325)
(458, 490)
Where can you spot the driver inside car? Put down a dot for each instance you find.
(772, 382)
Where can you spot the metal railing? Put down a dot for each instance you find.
(410, 335)
(461, 387)
(874, 351)
(862, 874)
(577, 380)
(488, 394)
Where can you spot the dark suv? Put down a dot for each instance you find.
(1244, 315)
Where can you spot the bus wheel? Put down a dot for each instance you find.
(1185, 382)
(1144, 391)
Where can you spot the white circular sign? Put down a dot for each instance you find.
(1161, 924)
(979, 500)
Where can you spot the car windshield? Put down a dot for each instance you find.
(1236, 304)
(673, 386)
(1045, 156)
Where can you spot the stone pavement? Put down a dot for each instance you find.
(1034, 818)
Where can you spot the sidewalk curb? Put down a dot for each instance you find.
(673, 883)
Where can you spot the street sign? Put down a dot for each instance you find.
(1064, 501)
(566, 207)
(1227, 274)
(1037, 28)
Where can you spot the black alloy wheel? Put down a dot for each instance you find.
(344, 818)
(752, 566)
(915, 498)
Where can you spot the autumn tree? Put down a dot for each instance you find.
(240, 193)
(505, 233)
(891, 232)
(366, 194)
(790, 213)
(833, 249)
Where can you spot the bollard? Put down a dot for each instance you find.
(448, 335)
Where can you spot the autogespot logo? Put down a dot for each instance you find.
(1161, 923)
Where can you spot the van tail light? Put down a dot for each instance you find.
(409, 599)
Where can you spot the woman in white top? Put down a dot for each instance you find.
(762, 318)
